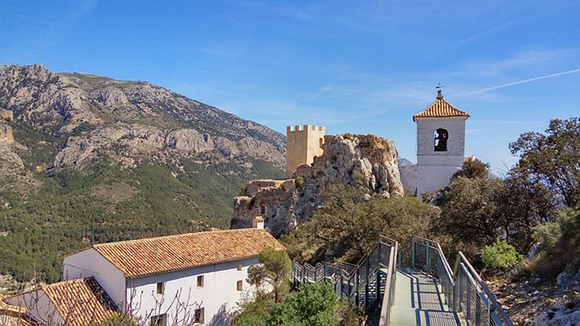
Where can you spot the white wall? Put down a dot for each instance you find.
(90, 263)
(436, 168)
(218, 296)
(38, 305)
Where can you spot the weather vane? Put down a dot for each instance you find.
(439, 86)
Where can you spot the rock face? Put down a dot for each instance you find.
(71, 120)
(366, 161)
(6, 135)
(569, 282)
(7, 115)
(560, 316)
(102, 113)
(409, 175)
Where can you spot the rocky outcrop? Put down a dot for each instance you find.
(364, 161)
(559, 316)
(272, 199)
(15, 180)
(6, 115)
(409, 175)
(6, 135)
(568, 281)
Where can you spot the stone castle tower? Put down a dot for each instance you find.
(440, 144)
(303, 145)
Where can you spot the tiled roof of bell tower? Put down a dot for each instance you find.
(440, 109)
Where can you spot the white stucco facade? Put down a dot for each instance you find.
(38, 306)
(90, 263)
(219, 296)
(435, 168)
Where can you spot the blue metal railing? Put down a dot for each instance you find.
(464, 290)
(369, 284)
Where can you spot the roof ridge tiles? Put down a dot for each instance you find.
(149, 256)
(440, 108)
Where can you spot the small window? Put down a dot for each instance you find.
(240, 267)
(160, 287)
(198, 316)
(441, 136)
(321, 141)
(159, 320)
(262, 209)
(240, 285)
(200, 281)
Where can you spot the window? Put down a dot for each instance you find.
(159, 320)
(160, 287)
(200, 281)
(198, 316)
(441, 136)
(240, 267)
(262, 209)
(321, 141)
(240, 285)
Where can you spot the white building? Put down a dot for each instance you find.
(195, 278)
(79, 302)
(440, 144)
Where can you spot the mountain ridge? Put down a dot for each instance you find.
(86, 159)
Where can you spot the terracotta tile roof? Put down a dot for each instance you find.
(80, 301)
(137, 258)
(6, 308)
(440, 109)
(13, 315)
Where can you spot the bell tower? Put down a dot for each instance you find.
(440, 144)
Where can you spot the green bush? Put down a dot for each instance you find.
(256, 312)
(299, 181)
(548, 233)
(500, 255)
(313, 304)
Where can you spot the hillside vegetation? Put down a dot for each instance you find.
(88, 159)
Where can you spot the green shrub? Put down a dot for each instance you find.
(299, 181)
(547, 233)
(500, 255)
(313, 304)
(256, 312)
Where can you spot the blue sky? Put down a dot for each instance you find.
(353, 66)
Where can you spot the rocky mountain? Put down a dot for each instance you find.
(86, 158)
(366, 161)
(409, 175)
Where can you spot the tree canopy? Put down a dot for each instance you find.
(348, 222)
(552, 158)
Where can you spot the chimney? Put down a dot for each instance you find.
(258, 222)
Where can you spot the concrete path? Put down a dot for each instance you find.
(419, 301)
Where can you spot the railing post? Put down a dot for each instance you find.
(428, 258)
(341, 284)
(357, 275)
(367, 270)
(378, 276)
(413, 253)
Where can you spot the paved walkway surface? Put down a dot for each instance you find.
(419, 301)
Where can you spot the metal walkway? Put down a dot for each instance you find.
(419, 301)
(412, 287)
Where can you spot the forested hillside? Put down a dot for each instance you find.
(88, 159)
